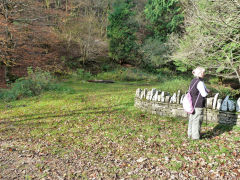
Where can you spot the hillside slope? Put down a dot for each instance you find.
(31, 36)
(27, 38)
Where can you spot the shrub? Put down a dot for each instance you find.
(34, 84)
(214, 80)
(80, 74)
(158, 53)
(224, 91)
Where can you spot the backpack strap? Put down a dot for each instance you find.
(198, 93)
(196, 100)
(190, 88)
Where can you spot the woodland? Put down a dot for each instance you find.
(63, 35)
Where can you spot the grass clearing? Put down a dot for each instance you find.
(98, 132)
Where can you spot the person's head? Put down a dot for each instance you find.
(199, 72)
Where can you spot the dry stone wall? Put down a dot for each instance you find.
(162, 103)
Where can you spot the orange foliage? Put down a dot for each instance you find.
(27, 39)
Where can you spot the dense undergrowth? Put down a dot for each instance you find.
(34, 84)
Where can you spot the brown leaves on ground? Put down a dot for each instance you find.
(161, 156)
(101, 136)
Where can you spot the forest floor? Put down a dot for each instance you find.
(97, 133)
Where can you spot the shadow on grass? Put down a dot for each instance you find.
(29, 123)
(217, 131)
(97, 110)
(226, 122)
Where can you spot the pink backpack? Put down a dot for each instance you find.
(187, 101)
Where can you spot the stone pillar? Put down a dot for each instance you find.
(163, 96)
(138, 92)
(209, 103)
(144, 94)
(215, 101)
(178, 96)
(238, 105)
(231, 105)
(224, 106)
(219, 104)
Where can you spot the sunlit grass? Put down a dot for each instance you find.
(100, 119)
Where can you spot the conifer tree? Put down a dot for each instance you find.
(121, 31)
(165, 17)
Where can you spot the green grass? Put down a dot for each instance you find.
(101, 122)
(128, 74)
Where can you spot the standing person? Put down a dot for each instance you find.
(198, 93)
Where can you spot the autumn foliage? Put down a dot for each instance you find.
(29, 37)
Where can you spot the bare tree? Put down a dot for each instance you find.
(212, 37)
(87, 27)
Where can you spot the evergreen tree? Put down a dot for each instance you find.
(165, 17)
(121, 31)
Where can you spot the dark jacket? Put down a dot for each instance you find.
(195, 92)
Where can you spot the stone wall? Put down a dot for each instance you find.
(161, 103)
